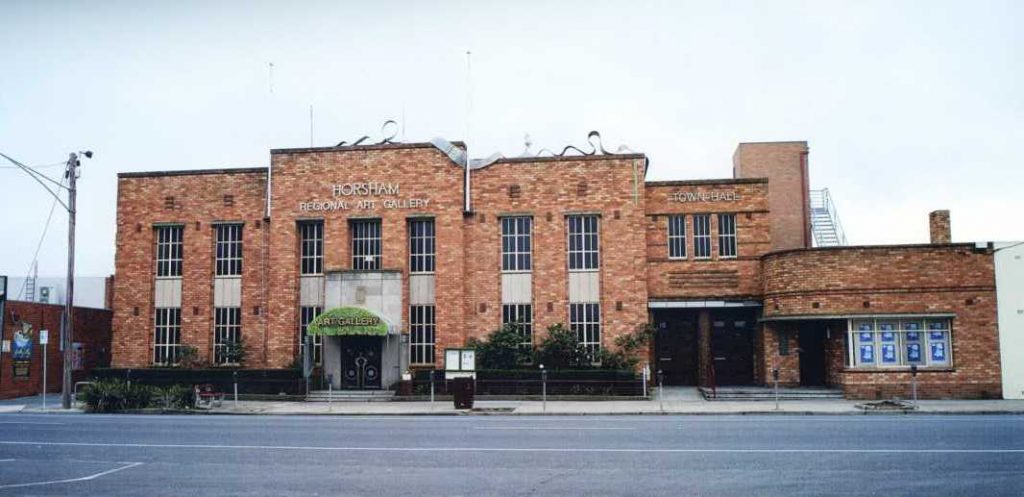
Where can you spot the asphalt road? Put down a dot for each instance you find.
(110, 455)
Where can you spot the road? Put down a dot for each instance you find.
(113, 455)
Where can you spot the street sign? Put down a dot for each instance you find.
(44, 337)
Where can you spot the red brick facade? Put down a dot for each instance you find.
(91, 329)
(638, 280)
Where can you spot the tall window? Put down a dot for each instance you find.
(229, 250)
(677, 237)
(366, 244)
(585, 320)
(899, 342)
(227, 335)
(421, 246)
(516, 243)
(168, 251)
(311, 244)
(583, 243)
(727, 235)
(702, 236)
(520, 315)
(306, 315)
(166, 336)
(421, 334)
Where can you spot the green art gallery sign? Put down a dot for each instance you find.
(343, 321)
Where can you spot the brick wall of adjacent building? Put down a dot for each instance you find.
(716, 277)
(785, 165)
(92, 328)
(907, 280)
(195, 200)
(549, 189)
(422, 172)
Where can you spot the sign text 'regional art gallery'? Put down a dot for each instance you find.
(359, 196)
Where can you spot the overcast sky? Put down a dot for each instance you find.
(907, 106)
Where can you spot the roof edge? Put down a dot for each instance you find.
(723, 181)
(192, 172)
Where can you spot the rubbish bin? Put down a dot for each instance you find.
(464, 390)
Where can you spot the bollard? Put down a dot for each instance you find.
(431, 388)
(644, 376)
(128, 376)
(235, 375)
(544, 388)
(913, 382)
(775, 378)
(661, 390)
(330, 391)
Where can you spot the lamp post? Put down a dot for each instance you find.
(71, 174)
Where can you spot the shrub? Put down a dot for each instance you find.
(188, 357)
(117, 395)
(235, 352)
(561, 349)
(501, 350)
(176, 397)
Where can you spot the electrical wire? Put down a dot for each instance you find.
(41, 166)
(35, 257)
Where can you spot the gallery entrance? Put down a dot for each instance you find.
(675, 346)
(732, 347)
(361, 362)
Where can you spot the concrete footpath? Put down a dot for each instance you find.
(684, 405)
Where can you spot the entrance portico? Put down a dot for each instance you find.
(363, 344)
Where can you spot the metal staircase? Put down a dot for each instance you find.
(825, 225)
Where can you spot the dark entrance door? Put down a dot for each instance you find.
(360, 362)
(675, 347)
(732, 348)
(811, 341)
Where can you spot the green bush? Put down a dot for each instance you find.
(561, 349)
(176, 397)
(117, 395)
(502, 349)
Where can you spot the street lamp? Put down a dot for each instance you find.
(71, 174)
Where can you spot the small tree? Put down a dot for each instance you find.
(501, 349)
(235, 352)
(561, 349)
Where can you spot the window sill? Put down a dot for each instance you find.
(900, 369)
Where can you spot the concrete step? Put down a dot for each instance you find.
(350, 396)
(767, 394)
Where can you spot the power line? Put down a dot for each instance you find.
(41, 166)
(35, 257)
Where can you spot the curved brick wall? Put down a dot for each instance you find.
(914, 279)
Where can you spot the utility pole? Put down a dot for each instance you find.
(71, 174)
(69, 304)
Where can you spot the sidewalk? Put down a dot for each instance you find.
(599, 408)
(683, 406)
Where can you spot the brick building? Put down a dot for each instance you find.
(388, 254)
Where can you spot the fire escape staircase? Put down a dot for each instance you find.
(825, 226)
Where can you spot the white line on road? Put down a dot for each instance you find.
(28, 423)
(518, 449)
(558, 428)
(71, 480)
(6, 460)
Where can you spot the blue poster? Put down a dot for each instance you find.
(865, 327)
(913, 336)
(888, 336)
(867, 353)
(866, 337)
(914, 352)
(889, 353)
(937, 335)
(939, 351)
(887, 327)
(21, 350)
(912, 326)
(936, 325)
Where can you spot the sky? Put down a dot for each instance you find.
(907, 106)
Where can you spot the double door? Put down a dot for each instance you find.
(361, 362)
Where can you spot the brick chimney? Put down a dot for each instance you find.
(938, 226)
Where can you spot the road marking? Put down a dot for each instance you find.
(28, 423)
(558, 428)
(72, 480)
(517, 449)
(6, 460)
